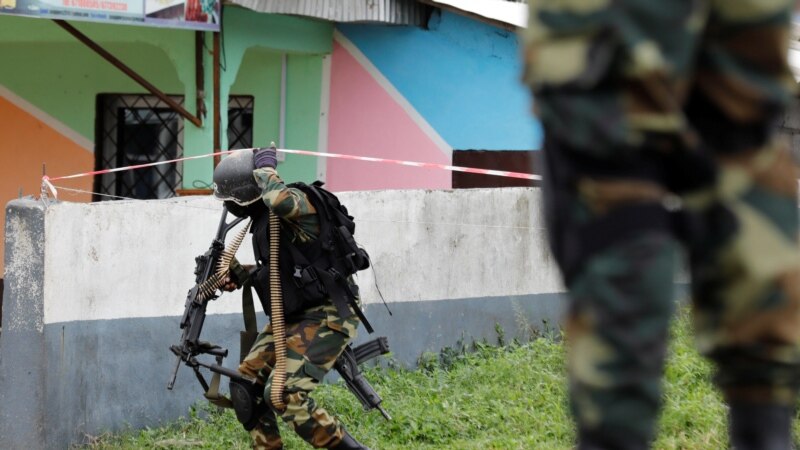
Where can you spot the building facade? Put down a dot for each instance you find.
(427, 85)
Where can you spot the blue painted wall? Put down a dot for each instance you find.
(463, 76)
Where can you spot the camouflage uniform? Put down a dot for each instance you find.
(315, 337)
(651, 107)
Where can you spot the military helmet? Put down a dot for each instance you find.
(234, 181)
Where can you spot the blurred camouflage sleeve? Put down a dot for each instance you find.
(615, 76)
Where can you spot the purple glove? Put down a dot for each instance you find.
(265, 157)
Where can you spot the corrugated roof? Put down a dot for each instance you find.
(397, 12)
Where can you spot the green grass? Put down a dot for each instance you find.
(482, 397)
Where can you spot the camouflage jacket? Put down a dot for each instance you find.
(298, 216)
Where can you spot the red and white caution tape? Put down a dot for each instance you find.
(499, 173)
(138, 166)
(46, 181)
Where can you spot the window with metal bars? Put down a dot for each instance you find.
(140, 129)
(240, 122)
(137, 129)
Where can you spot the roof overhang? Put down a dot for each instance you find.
(394, 12)
(794, 49)
(502, 13)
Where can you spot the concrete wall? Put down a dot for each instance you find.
(94, 293)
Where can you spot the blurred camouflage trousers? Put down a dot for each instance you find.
(314, 342)
(660, 132)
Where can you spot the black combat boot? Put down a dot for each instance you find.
(756, 426)
(348, 443)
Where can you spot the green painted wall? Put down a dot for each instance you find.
(244, 28)
(260, 76)
(253, 64)
(62, 77)
(49, 68)
(46, 66)
(304, 89)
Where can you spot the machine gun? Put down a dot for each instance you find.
(210, 272)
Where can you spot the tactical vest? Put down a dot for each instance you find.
(314, 271)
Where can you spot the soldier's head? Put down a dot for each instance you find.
(235, 185)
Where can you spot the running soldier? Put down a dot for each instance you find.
(316, 329)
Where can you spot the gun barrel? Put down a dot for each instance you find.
(370, 398)
(171, 383)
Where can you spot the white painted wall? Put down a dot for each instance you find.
(135, 259)
(94, 293)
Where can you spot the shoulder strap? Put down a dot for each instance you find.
(250, 333)
(337, 288)
(334, 210)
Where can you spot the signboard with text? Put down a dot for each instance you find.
(188, 14)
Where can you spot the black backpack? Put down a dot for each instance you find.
(344, 254)
(336, 229)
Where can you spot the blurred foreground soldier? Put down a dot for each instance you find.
(316, 329)
(660, 131)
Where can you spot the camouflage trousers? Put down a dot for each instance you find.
(660, 137)
(313, 344)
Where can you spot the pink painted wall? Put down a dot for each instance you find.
(365, 120)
